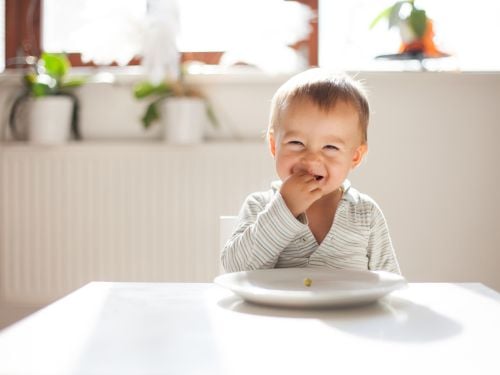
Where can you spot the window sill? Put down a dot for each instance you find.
(134, 74)
(210, 74)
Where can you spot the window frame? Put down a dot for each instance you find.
(18, 30)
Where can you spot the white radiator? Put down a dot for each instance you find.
(119, 212)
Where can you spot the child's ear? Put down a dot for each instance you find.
(359, 154)
(272, 143)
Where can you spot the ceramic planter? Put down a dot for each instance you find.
(50, 120)
(184, 120)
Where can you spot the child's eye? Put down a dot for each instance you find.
(331, 147)
(295, 143)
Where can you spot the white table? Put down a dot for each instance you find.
(155, 328)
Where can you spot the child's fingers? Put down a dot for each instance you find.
(318, 192)
(307, 178)
(305, 182)
(313, 184)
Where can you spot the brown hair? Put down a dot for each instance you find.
(324, 89)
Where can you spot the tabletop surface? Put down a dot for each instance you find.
(182, 328)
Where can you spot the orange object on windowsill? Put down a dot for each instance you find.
(425, 45)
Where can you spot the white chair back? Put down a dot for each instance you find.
(227, 225)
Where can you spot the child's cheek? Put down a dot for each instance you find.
(283, 168)
(297, 169)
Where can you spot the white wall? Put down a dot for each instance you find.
(433, 167)
(432, 164)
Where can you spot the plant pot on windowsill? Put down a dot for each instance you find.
(182, 112)
(415, 28)
(52, 107)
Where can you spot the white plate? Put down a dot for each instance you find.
(285, 286)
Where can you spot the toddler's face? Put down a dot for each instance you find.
(324, 144)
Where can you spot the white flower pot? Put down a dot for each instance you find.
(184, 120)
(50, 120)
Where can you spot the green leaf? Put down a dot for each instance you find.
(391, 14)
(56, 64)
(38, 85)
(40, 89)
(30, 79)
(384, 14)
(50, 77)
(211, 116)
(151, 115)
(394, 17)
(418, 22)
(73, 82)
(145, 89)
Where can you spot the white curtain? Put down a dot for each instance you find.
(257, 32)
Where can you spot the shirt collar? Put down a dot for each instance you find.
(349, 194)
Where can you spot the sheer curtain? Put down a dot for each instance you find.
(103, 31)
(253, 31)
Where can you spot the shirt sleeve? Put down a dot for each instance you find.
(263, 231)
(381, 255)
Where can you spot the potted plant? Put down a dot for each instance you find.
(182, 110)
(415, 29)
(53, 108)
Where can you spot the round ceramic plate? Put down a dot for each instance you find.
(286, 286)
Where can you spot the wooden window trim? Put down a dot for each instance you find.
(23, 37)
(312, 42)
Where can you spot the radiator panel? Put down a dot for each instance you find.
(148, 212)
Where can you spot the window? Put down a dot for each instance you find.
(468, 30)
(107, 29)
(115, 26)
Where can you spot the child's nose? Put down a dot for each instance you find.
(310, 162)
(311, 157)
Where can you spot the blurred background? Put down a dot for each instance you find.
(130, 183)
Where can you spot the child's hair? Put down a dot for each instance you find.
(324, 89)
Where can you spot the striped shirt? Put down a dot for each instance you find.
(269, 236)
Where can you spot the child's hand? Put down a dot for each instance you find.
(300, 190)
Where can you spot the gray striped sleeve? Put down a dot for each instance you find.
(380, 251)
(264, 230)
